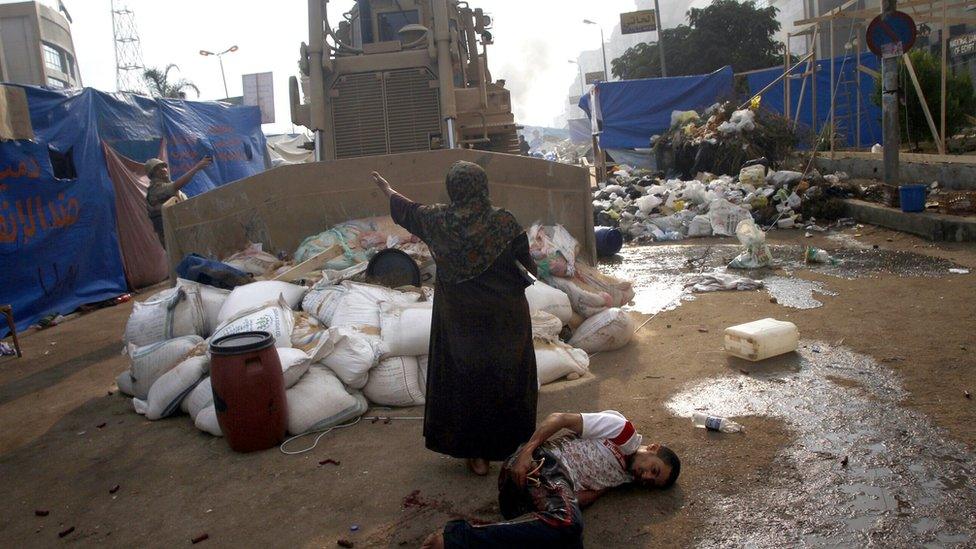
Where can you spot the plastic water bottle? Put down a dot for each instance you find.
(715, 423)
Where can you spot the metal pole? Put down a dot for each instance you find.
(115, 46)
(603, 45)
(833, 89)
(889, 109)
(222, 75)
(942, 103)
(857, 82)
(786, 83)
(660, 38)
(814, 115)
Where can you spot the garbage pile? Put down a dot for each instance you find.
(723, 140)
(651, 209)
(344, 343)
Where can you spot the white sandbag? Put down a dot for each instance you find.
(259, 293)
(150, 362)
(621, 292)
(361, 305)
(583, 301)
(609, 330)
(211, 299)
(543, 297)
(294, 364)
(700, 226)
(319, 401)
(756, 252)
(725, 216)
(206, 421)
(309, 335)
(353, 355)
(322, 301)
(274, 318)
(171, 313)
(545, 326)
(253, 260)
(395, 382)
(557, 360)
(422, 363)
(124, 382)
(169, 390)
(199, 398)
(405, 328)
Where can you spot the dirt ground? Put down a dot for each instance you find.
(67, 439)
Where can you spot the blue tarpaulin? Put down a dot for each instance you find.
(846, 105)
(634, 110)
(59, 243)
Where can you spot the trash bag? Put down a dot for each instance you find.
(753, 175)
(725, 216)
(756, 253)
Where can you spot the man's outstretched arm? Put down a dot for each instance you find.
(550, 426)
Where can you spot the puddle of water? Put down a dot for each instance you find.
(905, 483)
(659, 271)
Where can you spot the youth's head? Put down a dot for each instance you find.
(655, 465)
(467, 184)
(157, 169)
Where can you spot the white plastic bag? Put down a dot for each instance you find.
(396, 382)
(756, 253)
(253, 260)
(557, 360)
(206, 421)
(353, 355)
(323, 301)
(607, 331)
(543, 297)
(319, 401)
(700, 226)
(545, 326)
(275, 318)
(294, 364)
(647, 204)
(725, 216)
(199, 398)
(150, 362)
(171, 388)
(211, 298)
(405, 328)
(260, 293)
(171, 313)
(361, 305)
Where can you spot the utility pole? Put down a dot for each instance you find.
(220, 58)
(660, 38)
(889, 108)
(603, 48)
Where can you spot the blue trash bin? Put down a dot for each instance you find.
(609, 241)
(912, 198)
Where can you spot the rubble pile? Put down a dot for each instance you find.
(647, 208)
(345, 341)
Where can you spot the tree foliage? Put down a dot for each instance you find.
(727, 32)
(160, 85)
(960, 98)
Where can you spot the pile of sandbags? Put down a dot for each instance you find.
(345, 344)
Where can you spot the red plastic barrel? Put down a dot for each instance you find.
(249, 391)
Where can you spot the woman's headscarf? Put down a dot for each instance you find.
(467, 235)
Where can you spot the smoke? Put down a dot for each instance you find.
(528, 75)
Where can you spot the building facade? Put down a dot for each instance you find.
(36, 47)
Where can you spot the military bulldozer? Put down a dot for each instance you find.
(399, 76)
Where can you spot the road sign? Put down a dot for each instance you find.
(961, 46)
(574, 100)
(637, 21)
(259, 91)
(594, 77)
(891, 34)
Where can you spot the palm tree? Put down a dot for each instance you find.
(160, 86)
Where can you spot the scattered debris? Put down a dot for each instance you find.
(200, 537)
(967, 395)
(114, 489)
(41, 512)
(843, 462)
(344, 543)
(66, 531)
(330, 461)
(101, 425)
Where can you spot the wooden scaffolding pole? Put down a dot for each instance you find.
(833, 89)
(923, 101)
(942, 102)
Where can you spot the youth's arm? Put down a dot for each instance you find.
(587, 497)
(549, 426)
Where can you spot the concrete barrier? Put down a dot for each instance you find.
(955, 172)
(282, 206)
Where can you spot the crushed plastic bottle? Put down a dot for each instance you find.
(715, 423)
(816, 255)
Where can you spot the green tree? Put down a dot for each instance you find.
(160, 85)
(960, 98)
(727, 32)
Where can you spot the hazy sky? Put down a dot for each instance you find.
(534, 40)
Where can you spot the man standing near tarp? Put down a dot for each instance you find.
(161, 189)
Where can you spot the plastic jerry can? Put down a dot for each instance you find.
(761, 339)
(248, 390)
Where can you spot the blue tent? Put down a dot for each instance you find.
(634, 110)
(59, 240)
(846, 105)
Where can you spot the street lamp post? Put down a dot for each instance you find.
(582, 80)
(603, 46)
(220, 58)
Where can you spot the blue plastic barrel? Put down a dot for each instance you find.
(608, 241)
(912, 198)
